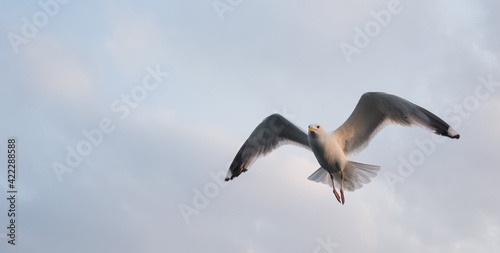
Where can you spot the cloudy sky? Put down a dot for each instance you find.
(126, 115)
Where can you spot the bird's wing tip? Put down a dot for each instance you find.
(229, 175)
(453, 134)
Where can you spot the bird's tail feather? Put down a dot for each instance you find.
(355, 175)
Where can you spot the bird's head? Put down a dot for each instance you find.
(316, 130)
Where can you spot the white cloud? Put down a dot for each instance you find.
(225, 78)
(56, 69)
(136, 40)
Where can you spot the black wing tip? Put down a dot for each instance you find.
(452, 133)
(233, 175)
(455, 136)
(230, 178)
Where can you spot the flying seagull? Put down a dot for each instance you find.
(374, 111)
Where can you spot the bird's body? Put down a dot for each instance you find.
(326, 149)
(373, 112)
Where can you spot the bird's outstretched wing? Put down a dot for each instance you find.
(375, 110)
(274, 131)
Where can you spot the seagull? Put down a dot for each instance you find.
(374, 111)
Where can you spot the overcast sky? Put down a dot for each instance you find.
(127, 115)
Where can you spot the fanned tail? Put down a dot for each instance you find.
(355, 175)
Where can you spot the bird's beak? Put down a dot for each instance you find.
(312, 129)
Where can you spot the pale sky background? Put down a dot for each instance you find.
(227, 72)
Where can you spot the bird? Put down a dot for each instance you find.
(373, 112)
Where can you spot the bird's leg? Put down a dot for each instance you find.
(342, 186)
(335, 191)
